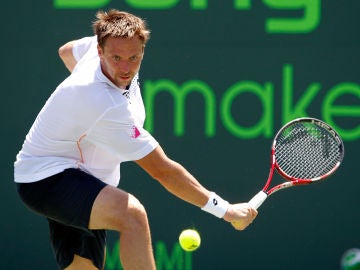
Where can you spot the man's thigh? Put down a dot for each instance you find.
(114, 209)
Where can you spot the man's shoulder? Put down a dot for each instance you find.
(87, 66)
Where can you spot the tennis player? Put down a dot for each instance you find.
(68, 168)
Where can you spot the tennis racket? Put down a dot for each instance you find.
(304, 151)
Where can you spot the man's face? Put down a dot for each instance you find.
(121, 59)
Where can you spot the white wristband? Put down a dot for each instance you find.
(216, 205)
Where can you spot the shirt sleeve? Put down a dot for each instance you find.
(84, 46)
(122, 137)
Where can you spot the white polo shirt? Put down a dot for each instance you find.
(87, 123)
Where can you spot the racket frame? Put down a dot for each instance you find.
(261, 196)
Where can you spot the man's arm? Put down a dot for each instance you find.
(177, 180)
(66, 55)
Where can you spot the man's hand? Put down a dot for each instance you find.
(240, 215)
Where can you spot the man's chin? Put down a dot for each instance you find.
(124, 83)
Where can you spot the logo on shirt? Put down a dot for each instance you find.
(135, 132)
(126, 94)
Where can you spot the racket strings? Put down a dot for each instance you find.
(306, 151)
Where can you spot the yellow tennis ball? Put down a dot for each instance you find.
(189, 239)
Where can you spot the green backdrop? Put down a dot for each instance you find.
(218, 78)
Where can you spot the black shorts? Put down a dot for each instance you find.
(66, 200)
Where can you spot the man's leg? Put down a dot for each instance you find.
(81, 263)
(118, 210)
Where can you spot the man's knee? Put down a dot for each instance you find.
(118, 210)
(137, 216)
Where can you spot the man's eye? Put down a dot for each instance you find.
(116, 58)
(133, 58)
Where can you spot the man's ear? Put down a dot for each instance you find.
(100, 51)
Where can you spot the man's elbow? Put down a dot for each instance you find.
(66, 55)
(62, 52)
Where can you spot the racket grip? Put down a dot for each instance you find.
(258, 199)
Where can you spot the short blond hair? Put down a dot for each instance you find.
(115, 23)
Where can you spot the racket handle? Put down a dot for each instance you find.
(258, 199)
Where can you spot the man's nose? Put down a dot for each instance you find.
(124, 66)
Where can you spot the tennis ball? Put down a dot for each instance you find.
(189, 239)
